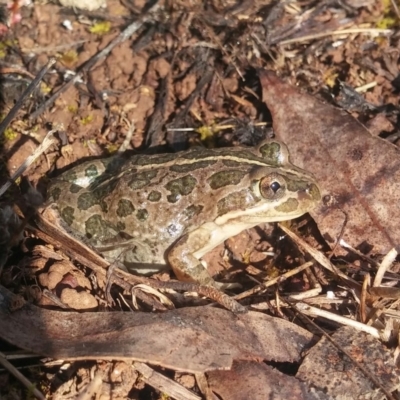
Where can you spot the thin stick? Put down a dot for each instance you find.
(395, 8)
(278, 279)
(28, 91)
(318, 312)
(47, 142)
(27, 383)
(306, 38)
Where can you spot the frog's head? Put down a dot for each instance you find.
(276, 191)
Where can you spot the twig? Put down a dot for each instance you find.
(27, 383)
(306, 38)
(124, 35)
(163, 384)
(278, 279)
(48, 49)
(47, 142)
(319, 257)
(384, 266)
(318, 312)
(28, 91)
(395, 8)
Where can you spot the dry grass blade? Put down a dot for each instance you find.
(274, 281)
(384, 266)
(28, 384)
(367, 31)
(28, 91)
(318, 256)
(47, 142)
(317, 312)
(163, 384)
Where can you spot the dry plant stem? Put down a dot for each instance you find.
(274, 281)
(11, 70)
(54, 49)
(384, 266)
(124, 35)
(28, 384)
(317, 312)
(356, 363)
(353, 250)
(307, 294)
(367, 86)
(47, 142)
(163, 384)
(27, 92)
(363, 298)
(319, 257)
(395, 8)
(369, 31)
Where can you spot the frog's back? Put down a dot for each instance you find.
(149, 201)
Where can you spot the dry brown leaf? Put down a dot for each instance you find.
(259, 381)
(326, 368)
(361, 172)
(197, 339)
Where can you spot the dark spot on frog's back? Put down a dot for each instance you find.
(192, 211)
(142, 214)
(154, 196)
(90, 198)
(55, 193)
(96, 227)
(67, 214)
(142, 179)
(86, 200)
(225, 178)
(91, 171)
(73, 188)
(69, 176)
(125, 208)
(180, 187)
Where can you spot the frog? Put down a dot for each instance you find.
(150, 211)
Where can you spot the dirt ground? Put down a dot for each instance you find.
(187, 76)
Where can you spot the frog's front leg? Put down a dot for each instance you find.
(184, 255)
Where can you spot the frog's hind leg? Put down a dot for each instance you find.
(186, 265)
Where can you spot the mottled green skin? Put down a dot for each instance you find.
(145, 203)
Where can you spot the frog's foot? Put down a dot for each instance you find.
(188, 268)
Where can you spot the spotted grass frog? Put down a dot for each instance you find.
(148, 211)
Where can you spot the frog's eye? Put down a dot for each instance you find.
(272, 187)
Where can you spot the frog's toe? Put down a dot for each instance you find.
(228, 286)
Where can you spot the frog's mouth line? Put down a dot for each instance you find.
(267, 212)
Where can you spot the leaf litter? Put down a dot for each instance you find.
(171, 74)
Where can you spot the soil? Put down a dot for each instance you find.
(188, 76)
